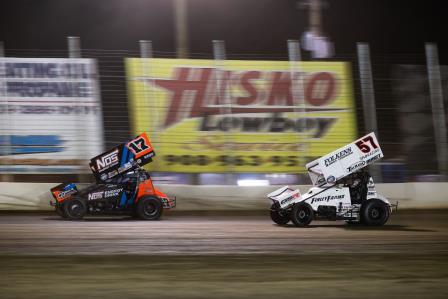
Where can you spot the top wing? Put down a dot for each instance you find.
(122, 158)
(345, 160)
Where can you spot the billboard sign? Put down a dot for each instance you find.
(240, 116)
(51, 119)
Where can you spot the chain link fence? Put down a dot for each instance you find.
(408, 93)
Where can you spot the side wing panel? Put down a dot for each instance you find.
(122, 158)
(345, 160)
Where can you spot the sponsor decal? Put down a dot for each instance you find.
(338, 156)
(327, 198)
(370, 154)
(356, 166)
(95, 195)
(112, 174)
(374, 158)
(286, 200)
(112, 193)
(125, 167)
(107, 161)
(289, 199)
(321, 181)
(64, 194)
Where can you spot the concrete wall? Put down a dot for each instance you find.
(36, 196)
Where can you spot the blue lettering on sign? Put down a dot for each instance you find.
(30, 144)
(47, 89)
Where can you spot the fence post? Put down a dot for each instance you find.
(368, 98)
(74, 51)
(219, 54)
(180, 12)
(5, 141)
(146, 54)
(438, 109)
(298, 96)
(145, 49)
(74, 47)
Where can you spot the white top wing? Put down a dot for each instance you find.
(345, 160)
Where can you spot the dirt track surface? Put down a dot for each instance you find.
(416, 232)
(224, 257)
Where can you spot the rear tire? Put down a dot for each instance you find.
(302, 214)
(279, 218)
(149, 208)
(75, 208)
(375, 212)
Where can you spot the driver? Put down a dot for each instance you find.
(357, 184)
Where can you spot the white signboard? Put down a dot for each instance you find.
(51, 118)
(345, 160)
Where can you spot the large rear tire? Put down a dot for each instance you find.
(279, 218)
(75, 208)
(302, 214)
(149, 208)
(375, 212)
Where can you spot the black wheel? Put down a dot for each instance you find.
(60, 210)
(279, 218)
(75, 209)
(149, 208)
(374, 212)
(302, 214)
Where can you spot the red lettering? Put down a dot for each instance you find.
(178, 88)
(320, 89)
(249, 87)
(280, 94)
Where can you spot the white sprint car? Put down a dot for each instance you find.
(342, 189)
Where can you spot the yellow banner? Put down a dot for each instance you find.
(240, 116)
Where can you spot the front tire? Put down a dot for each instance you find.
(302, 214)
(149, 208)
(75, 209)
(279, 218)
(375, 212)
(60, 210)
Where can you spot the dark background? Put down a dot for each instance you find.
(247, 26)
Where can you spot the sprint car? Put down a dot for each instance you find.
(342, 189)
(122, 186)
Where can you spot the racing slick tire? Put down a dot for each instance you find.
(60, 210)
(149, 208)
(75, 208)
(374, 212)
(302, 214)
(279, 218)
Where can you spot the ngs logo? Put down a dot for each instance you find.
(106, 161)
